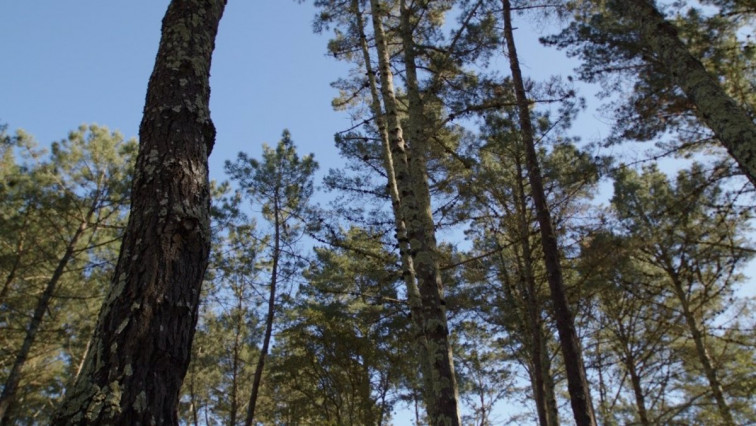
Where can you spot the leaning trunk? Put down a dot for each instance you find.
(577, 382)
(142, 340)
(730, 123)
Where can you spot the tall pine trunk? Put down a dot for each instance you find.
(239, 325)
(422, 241)
(141, 345)
(537, 347)
(441, 389)
(400, 228)
(730, 123)
(577, 382)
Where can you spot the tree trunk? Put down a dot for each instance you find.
(577, 382)
(441, 385)
(422, 241)
(548, 381)
(730, 123)
(408, 268)
(193, 397)
(640, 400)
(142, 340)
(236, 361)
(271, 313)
(14, 376)
(532, 306)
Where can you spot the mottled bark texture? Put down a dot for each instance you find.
(418, 215)
(141, 345)
(412, 185)
(730, 123)
(577, 382)
(408, 268)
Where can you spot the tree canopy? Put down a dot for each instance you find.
(473, 258)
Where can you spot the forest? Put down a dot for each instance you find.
(473, 260)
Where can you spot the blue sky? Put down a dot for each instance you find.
(88, 61)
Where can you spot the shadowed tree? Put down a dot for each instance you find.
(577, 382)
(141, 344)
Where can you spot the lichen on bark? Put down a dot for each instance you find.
(140, 348)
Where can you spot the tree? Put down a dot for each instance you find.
(405, 160)
(71, 208)
(694, 72)
(141, 344)
(631, 330)
(731, 124)
(224, 350)
(580, 395)
(345, 336)
(282, 184)
(697, 249)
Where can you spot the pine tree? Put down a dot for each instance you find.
(141, 344)
(580, 395)
(282, 184)
(686, 73)
(71, 209)
(697, 250)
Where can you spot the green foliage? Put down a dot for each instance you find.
(339, 357)
(612, 54)
(83, 182)
(677, 247)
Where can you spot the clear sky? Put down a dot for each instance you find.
(65, 63)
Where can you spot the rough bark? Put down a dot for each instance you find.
(141, 344)
(577, 382)
(416, 213)
(43, 303)
(271, 312)
(730, 123)
(422, 241)
(408, 268)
